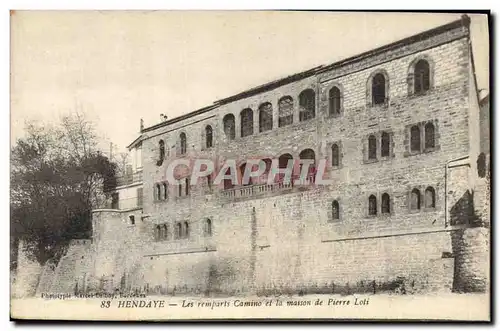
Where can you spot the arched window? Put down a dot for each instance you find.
(378, 89)
(186, 180)
(334, 99)
(161, 235)
(285, 111)
(429, 135)
(242, 175)
(385, 144)
(179, 187)
(165, 191)
(335, 155)
(158, 192)
(228, 182)
(246, 120)
(308, 154)
(283, 164)
(132, 219)
(158, 232)
(283, 160)
(165, 232)
(415, 199)
(229, 126)
(208, 136)
(415, 138)
(178, 230)
(372, 147)
(335, 210)
(265, 117)
(307, 104)
(161, 147)
(430, 197)
(183, 141)
(186, 230)
(386, 204)
(208, 228)
(268, 163)
(372, 205)
(422, 77)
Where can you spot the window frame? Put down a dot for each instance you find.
(426, 125)
(370, 209)
(369, 89)
(208, 228)
(229, 131)
(162, 152)
(421, 126)
(165, 191)
(410, 200)
(370, 148)
(426, 208)
(389, 201)
(418, 139)
(182, 143)
(338, 143)
(288, 119)
(389, 144)
(411, 76)
(307, 106)
(340, 99)
(267, 109)
(247, 122)
(209, 136)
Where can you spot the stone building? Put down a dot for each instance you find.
(398, 126)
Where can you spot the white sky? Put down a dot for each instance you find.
(122, 66)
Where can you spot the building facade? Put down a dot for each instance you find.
(398, 127)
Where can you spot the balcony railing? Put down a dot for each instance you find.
(265, 189)
(123, 204)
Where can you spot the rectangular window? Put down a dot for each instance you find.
(139, 197)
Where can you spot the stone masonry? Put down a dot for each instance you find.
(285, 238)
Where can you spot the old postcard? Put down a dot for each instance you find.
(250, 165)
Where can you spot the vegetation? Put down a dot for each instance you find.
(57, 176)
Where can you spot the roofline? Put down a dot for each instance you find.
(464, 20)
(271, 85)
(484, 100)
(180, 118)
(133, 143)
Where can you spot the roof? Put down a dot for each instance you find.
(463, 21)
(135, 142)
(485, 100)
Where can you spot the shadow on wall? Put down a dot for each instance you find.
(218, 278)
(470, 245)
(398, 285)
(463, 212)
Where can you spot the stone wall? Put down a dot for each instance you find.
(294, 241)
(73, 266)
(472, 259)
(27, 273)
(288, 239)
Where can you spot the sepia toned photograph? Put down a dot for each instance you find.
(249, 166)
